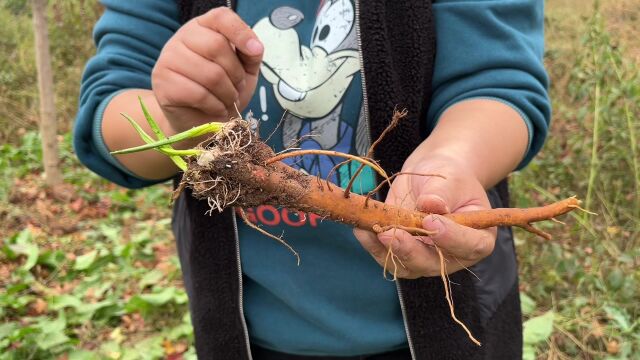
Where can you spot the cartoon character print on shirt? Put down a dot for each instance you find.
(310, 83)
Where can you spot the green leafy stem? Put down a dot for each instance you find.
(163, 143)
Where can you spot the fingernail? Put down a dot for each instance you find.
(433, 204)
(254, 47)
(444, 204)
(434, 224)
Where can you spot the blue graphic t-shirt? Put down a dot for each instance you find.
(309, 96)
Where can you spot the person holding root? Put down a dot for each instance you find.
(328, 75)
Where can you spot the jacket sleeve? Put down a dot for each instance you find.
(129, 37)
(492, 49)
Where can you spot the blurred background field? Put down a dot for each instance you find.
(90, 272)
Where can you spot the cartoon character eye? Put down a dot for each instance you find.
(286, 17)
(333, 25)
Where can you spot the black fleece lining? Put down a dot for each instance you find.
(210, 270)
(398, 52)
(501, 336)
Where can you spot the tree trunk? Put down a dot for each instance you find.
(48, 126)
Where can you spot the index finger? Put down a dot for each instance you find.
(226, 22)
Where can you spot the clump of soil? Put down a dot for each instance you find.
(225, 172)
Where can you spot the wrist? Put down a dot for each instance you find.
(447, 159)
(484, 136)
(119, 134)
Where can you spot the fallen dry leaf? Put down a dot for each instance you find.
(133, 323)
(77, 205)
(37, 307)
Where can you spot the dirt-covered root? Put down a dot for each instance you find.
(236, 168)
(223, 172)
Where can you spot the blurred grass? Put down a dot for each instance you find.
(70, 27)
(588, 275)
(101, 277)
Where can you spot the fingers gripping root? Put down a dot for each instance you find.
(443, 271)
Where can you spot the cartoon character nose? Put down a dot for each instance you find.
(286, 17)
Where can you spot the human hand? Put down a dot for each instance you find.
(209, 66)
(462, 246)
